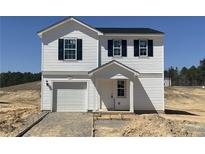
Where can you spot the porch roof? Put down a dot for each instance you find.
(106, 65)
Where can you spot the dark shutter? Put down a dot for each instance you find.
(60, 49)
(136, 48)
(110, 48)
(150, 48)
(79, 49)
(124, 48)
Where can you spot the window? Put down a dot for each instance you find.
(70, 49)
(117, 48)
(121, 88)
(143, 48)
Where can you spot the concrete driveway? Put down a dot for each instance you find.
(57, 124)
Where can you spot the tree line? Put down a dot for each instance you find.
(14, 78)
(193, 76)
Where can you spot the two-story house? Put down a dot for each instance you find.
(101, 69)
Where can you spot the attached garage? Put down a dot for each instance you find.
(70, 96)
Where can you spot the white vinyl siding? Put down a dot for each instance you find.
(153, 64)
(148, 87)
(149, 94)
(106, 87)
(89, 38)
(46, 95)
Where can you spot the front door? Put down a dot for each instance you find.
(121, 94)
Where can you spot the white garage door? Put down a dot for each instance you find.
(70, 97)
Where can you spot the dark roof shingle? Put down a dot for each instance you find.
(129, 31)
(112, 30)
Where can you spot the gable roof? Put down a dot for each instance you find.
(64, 21)
(100, 31)
(129, 31)
(113, 62)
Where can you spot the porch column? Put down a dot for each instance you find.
(131, 97)
(98, 103)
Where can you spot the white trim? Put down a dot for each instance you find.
(98, 97)
(87, 96)
(65, 73)
(51, 96)
(119, 76)
(98, 56)
(100, 33)
(131, 86)
(42, 56)
(135, 73)
(69, 80)
(42, 78)
(63, 22)
(42, 90)
(163, 99)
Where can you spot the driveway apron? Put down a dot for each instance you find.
(63, 124)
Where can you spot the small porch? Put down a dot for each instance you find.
(114, 85)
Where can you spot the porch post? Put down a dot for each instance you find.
(131, 97)
(98, 101)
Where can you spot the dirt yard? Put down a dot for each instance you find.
(17, 103)
(184, 116)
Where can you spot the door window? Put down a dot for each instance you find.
(121, 84)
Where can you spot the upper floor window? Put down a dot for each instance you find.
(70, 49)
(143, 48)
(117, 48)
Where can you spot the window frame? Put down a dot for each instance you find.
(64, 49)
(117, 48)
(143, 48)
(125, 89)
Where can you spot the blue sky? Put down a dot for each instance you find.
(20, 45)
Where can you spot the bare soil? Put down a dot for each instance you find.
(158, 126)
(185, 103)
(184, 116)
(17, 104)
